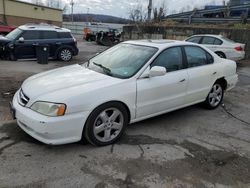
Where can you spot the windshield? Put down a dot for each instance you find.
(122, 61)
(14, 34)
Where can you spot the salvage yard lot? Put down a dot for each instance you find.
(192, 147)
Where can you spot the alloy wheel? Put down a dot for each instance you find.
(215, 96)
(66, 54)
(108, 125)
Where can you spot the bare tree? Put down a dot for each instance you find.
(54, 3)
(65, 9)
(138, 13)
(159, 13)
(38, 2)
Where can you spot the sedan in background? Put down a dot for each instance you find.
(127, 83)
(222, 46)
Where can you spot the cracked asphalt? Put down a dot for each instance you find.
(191, 147)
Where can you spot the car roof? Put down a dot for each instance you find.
(161, 44)
(206, 35)
(45, 27)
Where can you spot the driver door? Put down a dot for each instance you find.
(164, 93)
(26, 49)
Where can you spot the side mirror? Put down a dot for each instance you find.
(21, 39)
(157, 71)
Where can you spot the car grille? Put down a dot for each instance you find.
(23, 99)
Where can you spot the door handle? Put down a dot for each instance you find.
(214, 73)
(58, 43)
(35, 44)
(183, 80)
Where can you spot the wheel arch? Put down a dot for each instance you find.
(222, 53)
(112, 101)
(63, 47)
(223, 82)
(116, 101)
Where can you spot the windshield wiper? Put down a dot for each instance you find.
(105, 69)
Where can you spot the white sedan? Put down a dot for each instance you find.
(125, 84)
(222, 46)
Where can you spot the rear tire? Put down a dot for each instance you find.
(65, 54)
(106, 124)
(215, 96)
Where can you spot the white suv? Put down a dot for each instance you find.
(221, 45)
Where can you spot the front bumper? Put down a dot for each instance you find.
(50, 130)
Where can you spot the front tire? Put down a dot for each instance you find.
(215, 96)
(65, 54)
(106, 124)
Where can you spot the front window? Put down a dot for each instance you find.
(194, 39)
(171, 59)
(31, 35)
(14, 34)
(122, 61)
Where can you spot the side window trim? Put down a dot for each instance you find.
(183, 63)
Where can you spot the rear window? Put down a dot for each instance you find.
(211, 41)
(64, 35)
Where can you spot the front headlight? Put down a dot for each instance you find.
(49, 109)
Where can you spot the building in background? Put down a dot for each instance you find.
(17, 13)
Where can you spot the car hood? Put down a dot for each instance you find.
(4, 40)
(63, 78)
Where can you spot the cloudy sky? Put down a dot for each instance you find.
(121, 7)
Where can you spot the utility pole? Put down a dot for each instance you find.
(150, 9)
(72, 10)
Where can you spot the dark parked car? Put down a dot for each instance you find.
(21, 43)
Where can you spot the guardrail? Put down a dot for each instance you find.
(204, 11)
(208, 20)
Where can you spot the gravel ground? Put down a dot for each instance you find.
(192, 147)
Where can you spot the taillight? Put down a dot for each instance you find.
(238, 48)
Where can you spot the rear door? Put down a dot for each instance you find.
(26, 49)
(212, 43)
(51, 39)
(202, 73)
